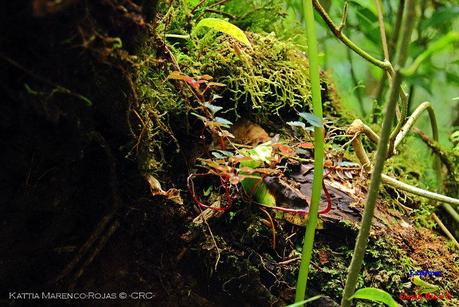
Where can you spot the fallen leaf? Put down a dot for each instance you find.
(323, 257)
(156, 190)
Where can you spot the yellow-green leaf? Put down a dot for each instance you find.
(425, 286)
(261, 153)
(375, 295)
(257, 189)
(255, 186)
(224, 27)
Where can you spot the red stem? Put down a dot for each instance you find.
(224, 184)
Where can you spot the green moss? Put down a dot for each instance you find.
(385, 267)
(257, 15)
(268, 84)
(268, 78)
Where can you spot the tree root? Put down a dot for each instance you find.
(105, 228)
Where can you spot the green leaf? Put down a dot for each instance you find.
(226, 153)
(207, 191)
(199, 116)
(258, 190)
(375, 295)
(366, 14)
(296, 124)
(261, 153)
(440, 17)
(298, 304)
(225, 27)
(452, 77)
(425, 286)
(369, 6)
(312, 119)
(217, 155)
(224, 122)
(251, 163)
(255, 186)
(213, 108)
(442, 43)
(222, 154)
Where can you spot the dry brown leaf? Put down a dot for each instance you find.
(156, 190)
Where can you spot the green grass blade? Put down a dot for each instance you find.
(311, 299)
(314, 73)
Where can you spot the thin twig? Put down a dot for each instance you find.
(285, 262)
(217, 260)
(230, 16)
(397, 26)
(364, 160)
(445, 230)
(197, 6)
(317, 180)
(98, 232)
(142, 132)
(343, 38)
(273, 228)
(386, 65)
(106, 223)
(412, 120)
(450, 167)
(393, 45)
(172, 35)
(434, 146)
(417, 191)
(218, 3)
(343, 17)
(382, 30)
(361, 154)
(103, 241)
(358, 127)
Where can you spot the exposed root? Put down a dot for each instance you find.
(105, 228)
(273, 228)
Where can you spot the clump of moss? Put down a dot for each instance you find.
(270, 77)
(268, 83)
(159, 103)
